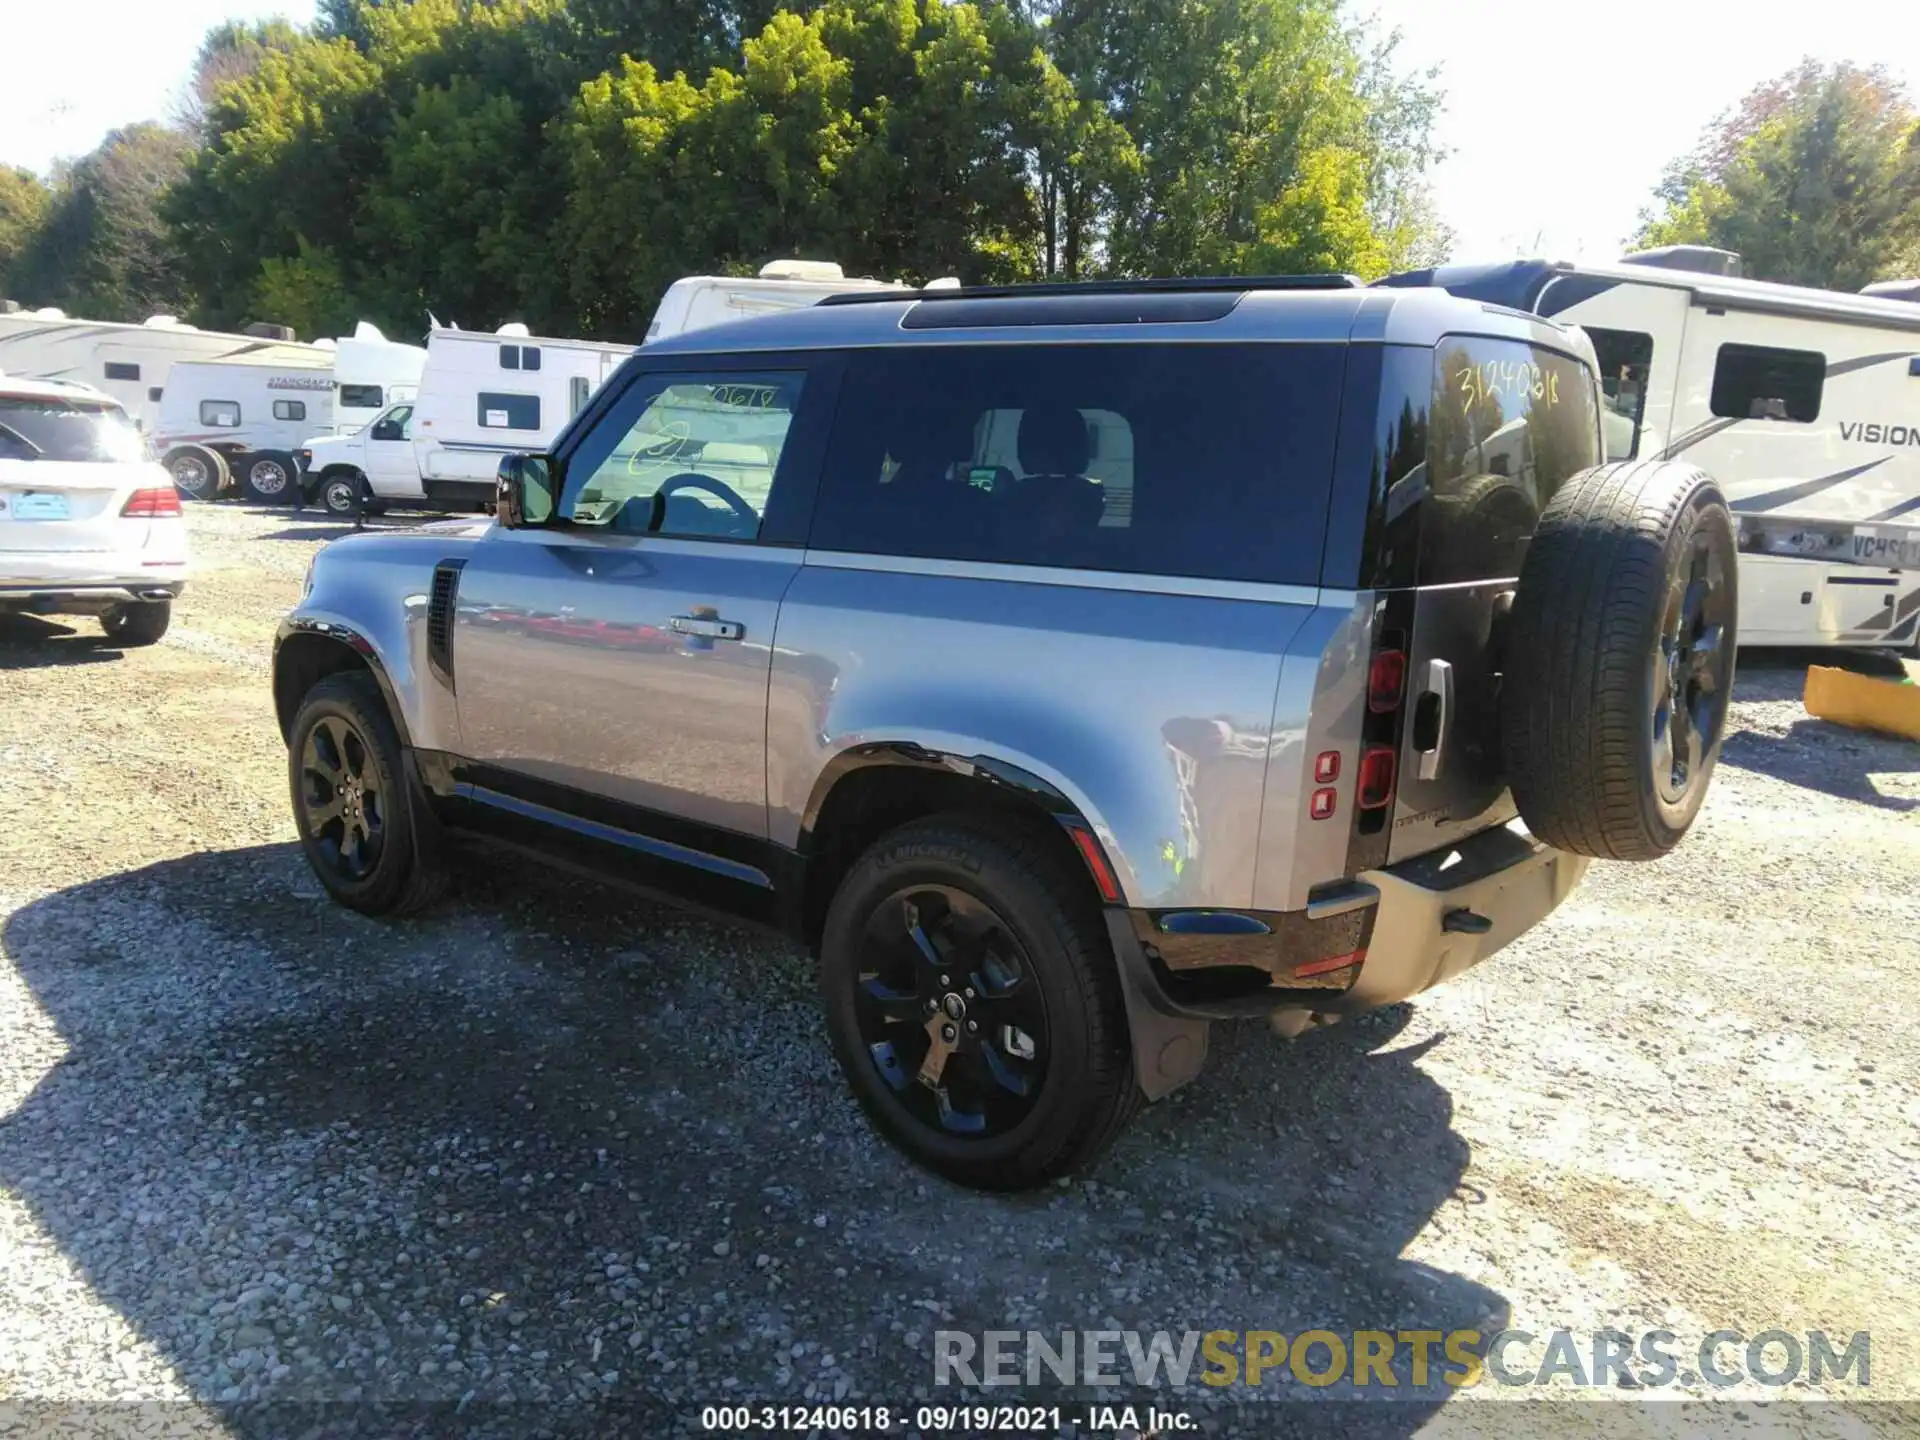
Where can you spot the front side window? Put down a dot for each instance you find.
(1626, 361)
(1758, 382)
(1510, 423)
(1208, 461)
(394, 425)
(685, 454)
(122, 370)
(36, 429)
(500, 411)
(289, 409)
(154, 392)
(578, 389)
(362, 397)
(221, 414)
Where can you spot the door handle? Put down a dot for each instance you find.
(1440, 686)
(708, 627)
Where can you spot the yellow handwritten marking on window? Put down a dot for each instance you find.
(1508, 379)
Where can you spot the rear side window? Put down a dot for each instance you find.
(1758, 382)
(122, 370)
(1209, 461)
(289, 409)
(224, 414)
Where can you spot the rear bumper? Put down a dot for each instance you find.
(1420, 922)
(53, 582)
(1435, 919)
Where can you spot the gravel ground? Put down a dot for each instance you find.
(566, 1146)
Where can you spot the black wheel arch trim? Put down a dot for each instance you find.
(364, 652)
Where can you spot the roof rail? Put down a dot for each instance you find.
(1164, 285)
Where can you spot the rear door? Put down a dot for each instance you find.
(1493, 429)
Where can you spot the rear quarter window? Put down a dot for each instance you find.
(1194, 460)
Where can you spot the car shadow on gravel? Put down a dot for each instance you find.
(29, 642)
(551, 1146)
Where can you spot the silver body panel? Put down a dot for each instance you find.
(1179, 716)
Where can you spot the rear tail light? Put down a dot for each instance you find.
(152, 503)
(1386, 681)
(1324, 802)
(1103, 877)
(1376, 777)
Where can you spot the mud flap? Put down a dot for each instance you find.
(1168, 1049)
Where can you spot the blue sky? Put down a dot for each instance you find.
(1560, 118)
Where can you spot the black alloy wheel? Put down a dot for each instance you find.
(343, 801)
(950, 1011)
(1692, 669)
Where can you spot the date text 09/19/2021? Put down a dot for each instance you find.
(944, 1419)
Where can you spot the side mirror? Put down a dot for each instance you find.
(523, 494)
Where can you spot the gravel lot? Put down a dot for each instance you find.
(565, 1145)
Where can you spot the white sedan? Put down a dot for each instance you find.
(90, 523)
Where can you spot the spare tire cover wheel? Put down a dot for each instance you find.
(1619, 659)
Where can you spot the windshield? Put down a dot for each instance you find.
(50, 429)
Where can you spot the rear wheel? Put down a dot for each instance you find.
(197, 471)
(140, 622)
(269, 477)
(974, 1006)
(351, 800)
(1619, 659)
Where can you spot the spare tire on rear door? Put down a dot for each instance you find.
(1618, 659)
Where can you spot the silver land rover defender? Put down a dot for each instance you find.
(1065, 667)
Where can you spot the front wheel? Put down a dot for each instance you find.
(973, 1003)
(340, 494)
(351, 802)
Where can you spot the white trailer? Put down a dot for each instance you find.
(481, 396)
(1804, 404)
(129, 362)
(697, 301)
(240, 420)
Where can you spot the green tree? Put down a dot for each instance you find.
(23, 207)
(101, 248)
(1814, 178)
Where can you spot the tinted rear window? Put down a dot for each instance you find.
(1474, 441)
(1209, 461)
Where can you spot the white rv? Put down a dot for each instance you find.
(1804, 404)
(697, 301)
(129, 362)
(242, 418)
(481, 396)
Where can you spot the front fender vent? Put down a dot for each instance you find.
(440, 602)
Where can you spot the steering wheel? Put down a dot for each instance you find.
(719, 489)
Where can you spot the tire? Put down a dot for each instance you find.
(1045, 1000)
(269, 477)
(141, 622)
(198, 471)
(342, 494)
(342, 733)
(1629, 590)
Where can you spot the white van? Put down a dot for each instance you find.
(481, 396)
(242, 418)
(697, 301)
(129, 362)
(1804, 404)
